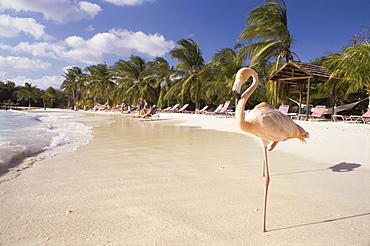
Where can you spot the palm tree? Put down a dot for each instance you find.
(74, 82)
(163, 73)
(224, 65)
(28, 92)
(352, 67)
(268, 24)
(50, 94)
(189, 67)
(136, 79)
(101, 80)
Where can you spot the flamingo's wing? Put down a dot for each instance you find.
(271, 125)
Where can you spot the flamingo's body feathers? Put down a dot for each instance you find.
(270, 124)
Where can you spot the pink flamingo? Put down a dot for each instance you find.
(265, 122)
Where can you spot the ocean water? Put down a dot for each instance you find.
(27, 137)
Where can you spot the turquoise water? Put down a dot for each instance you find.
(39, 135)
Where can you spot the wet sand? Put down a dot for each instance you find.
(193, 180)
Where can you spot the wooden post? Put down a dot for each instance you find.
(334, 104)
(308, 98)
(300, 98)
(276, 93)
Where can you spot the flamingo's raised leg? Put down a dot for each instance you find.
(272, 146)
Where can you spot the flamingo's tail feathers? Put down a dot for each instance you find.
(302, 134)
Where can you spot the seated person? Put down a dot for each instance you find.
(146, 111)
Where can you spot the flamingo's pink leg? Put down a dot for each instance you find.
(267, 182)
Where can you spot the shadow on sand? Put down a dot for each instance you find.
(344, 167)
(341, 167)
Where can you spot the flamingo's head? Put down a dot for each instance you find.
(241, 77)
(237, 88)
(237, 96)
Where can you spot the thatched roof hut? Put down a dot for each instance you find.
(301, 73)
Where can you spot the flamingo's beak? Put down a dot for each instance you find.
(237, 95)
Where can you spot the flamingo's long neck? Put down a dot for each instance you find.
(240, 107)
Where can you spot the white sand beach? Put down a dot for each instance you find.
(193, 180)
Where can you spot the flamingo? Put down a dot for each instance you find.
(265, 122)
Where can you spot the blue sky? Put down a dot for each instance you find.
(40, 39)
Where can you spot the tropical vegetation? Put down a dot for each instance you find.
(265, 44)
(351, 69)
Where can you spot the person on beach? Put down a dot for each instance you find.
(142, 104)
(146, 111)
(123, 106)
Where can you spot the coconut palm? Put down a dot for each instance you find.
(50, 95)
(101, 81)
(163, 74)
(74, 82)
(189, 68)
(224, 65)
(352, 67)
(28, 92)
(135, 78)
(268, 24)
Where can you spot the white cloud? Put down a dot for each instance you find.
(12, 26)
(61, 11)
(43, 83)
(5, 47)
(116, 41)
(2, 74)
(17, 63)
(90, 28)
(152, 44)
(41, 49)
(128, 2)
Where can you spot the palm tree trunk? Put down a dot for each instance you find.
(108, 98)
(334, 99)
(74, 100)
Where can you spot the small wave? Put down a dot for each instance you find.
(36, 136)
(58, 141)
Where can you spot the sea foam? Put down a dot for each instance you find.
(29, 137)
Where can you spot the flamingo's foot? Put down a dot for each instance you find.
(272, 146)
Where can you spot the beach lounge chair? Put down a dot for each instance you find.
(344, 118)
(365, 118)
(302, 114)
(203, 110)
(317, 113)
(284, 109)
(214, 111)
(224, 110)
(182, 110)
(171, 109)
(165, 109)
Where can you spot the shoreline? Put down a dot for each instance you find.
(192, 180)
(63, 141)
